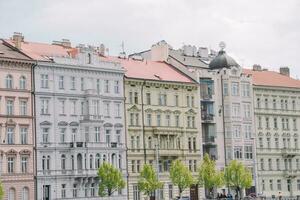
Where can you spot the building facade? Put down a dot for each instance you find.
(162, 115)
(226, 101)
(277, 118)
(17, 156)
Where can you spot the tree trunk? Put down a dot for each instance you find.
(109, 192)
(180, 191)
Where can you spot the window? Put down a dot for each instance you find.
(107, 137)
(149, 119)
(82, 108)
(10, 165)
(117, 87)
(24, 161)
(158, 120)
(267, 123)
(137, 119)
(10, 135)
(107, 110)
(177, 120)
(136, 98)
(278, 164)
(63, 190)
(118, 135)
(268, 143)
(24, 135)
(271, 184)
(248, 152)
(258, 102)
(286, 104)
(148, 98)
(73, 107)
(275, 123)
(44, 106)
(176, 100)
(138, 166)
(45, 134)
(235, 109)
(149, 142)
(294, 105)
(12, 194)
(9, 107)
(74, 190)
(237, 131)
(130, 97)
(298, 184)
(276, 140)
(62, 135)
(9, 81)
(225, 89)
(262, 166)
(235, 89)
(247, 113)
(62, 107)
(97, 161)
(274, 104)
(136, 193)
(266, 104)
(63, 162)
(238, 152)
(61, 82)
(73, 83)
(248, 130)
(106, 86)
(91, 161)
(25, 193)
(22, 83)
(162, 99)
(82, 84)
(23, 108)
(295, 124)
(93, 189)
(117, 110)
(97, 134)
(295, 143)
(263, 185)
(270, 164)
(260, 142)
(297, 164)
(170, 191)
(278, 184)
(44, 81)
(259, 122)
(246, 90)
(98, 85)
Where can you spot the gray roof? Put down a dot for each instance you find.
(222, 60)
(191, 61)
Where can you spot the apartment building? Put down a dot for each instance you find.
(277, 115)
(162, 115)
(79, 119)
(17, 138)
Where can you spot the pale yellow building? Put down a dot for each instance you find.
(162, 108)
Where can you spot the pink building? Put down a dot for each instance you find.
(16, 124)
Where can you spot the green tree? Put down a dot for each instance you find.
(1, 191)
(181, 176)
(110, 179)
(237, 176)
(209, 176)
(148, 181)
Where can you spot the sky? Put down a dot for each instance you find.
(265, 32)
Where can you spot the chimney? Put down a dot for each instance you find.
(102, 50)
(285, 71)
(160, 51)
(257, 67)
(18, 38)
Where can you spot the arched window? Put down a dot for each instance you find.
(149, 142)
(12, 194)
(63, 162)
(44, 162)
(104, 158)
(22, 83)
(48, 162)
(120, 162)
(91, 161)
(72, 162)
(9, 81)
(79, 161)
(89, 57)
(93, 189)
(25, 193)
(97, 164)
(113, 159)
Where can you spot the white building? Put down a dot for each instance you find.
(226, 101)
(79, 106)
(277, 114)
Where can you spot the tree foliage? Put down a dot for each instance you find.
(237, 176)
(180, 176)
(110, 179)
(148, 181)
(208, 175)
(1, 191)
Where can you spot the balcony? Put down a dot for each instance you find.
(91, 117)
(209, 140)
(207, 117)
(288, 153)
(290, 173)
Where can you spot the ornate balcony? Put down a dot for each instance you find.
(288, 152)
(290, 173)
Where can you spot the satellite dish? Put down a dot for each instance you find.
(222, 45)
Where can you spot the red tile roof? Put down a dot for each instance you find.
(272, 79)
(151, 70)
(42, 51)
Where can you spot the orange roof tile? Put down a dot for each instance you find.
(271, 78)
(42, 51)
(151, 70)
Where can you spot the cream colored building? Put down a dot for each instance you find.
(162, 110)
(277, 114)
(17, 156)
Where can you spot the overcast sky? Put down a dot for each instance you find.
(265, 32)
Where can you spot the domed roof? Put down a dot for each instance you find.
(222, 60)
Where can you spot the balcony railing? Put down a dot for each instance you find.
(207, 116)
(91, 117)
(288, 152)
(290, 173)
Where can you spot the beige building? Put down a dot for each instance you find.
(277, 114)
(16, 125)
(162, 113)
